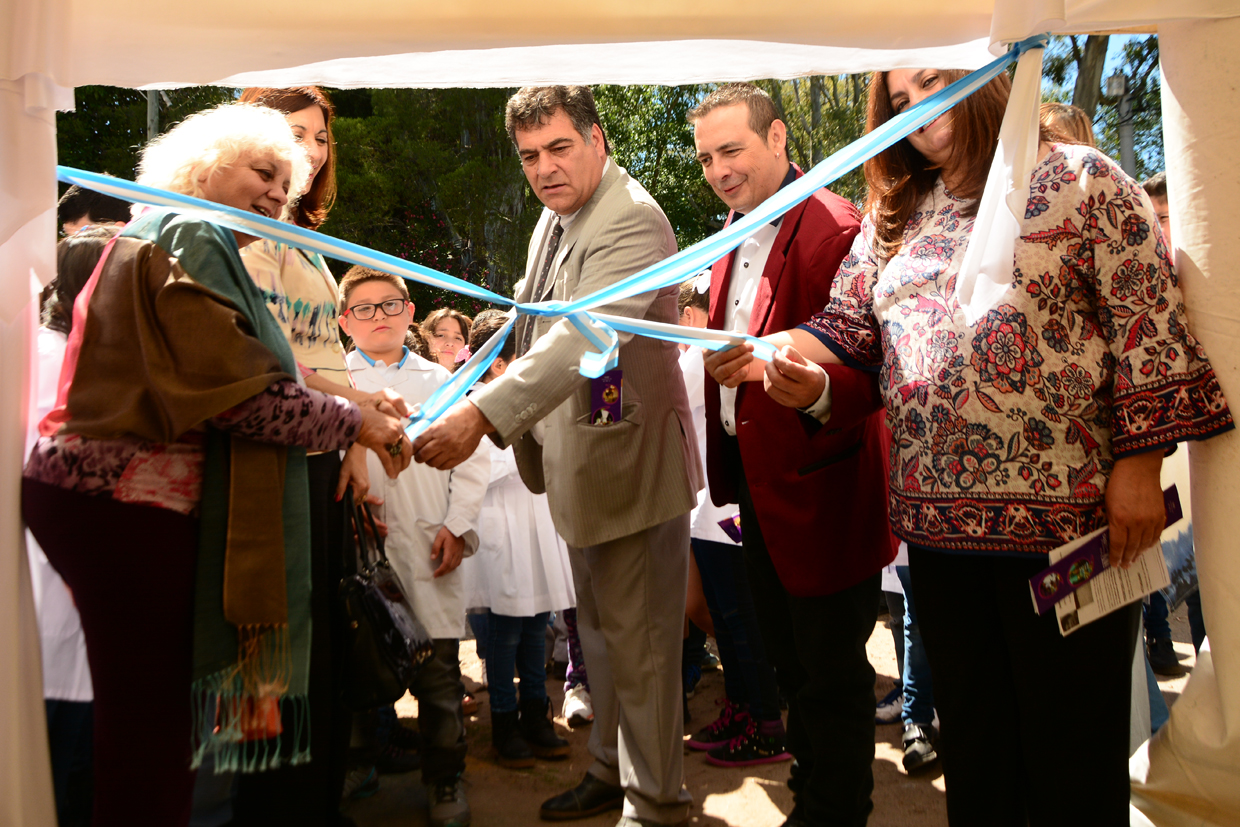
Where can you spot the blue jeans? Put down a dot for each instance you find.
(1155, 615)
(1196, 621)
(517, 644)
(895, 606)
(1159, 713)
(918, 689)
(748, 677)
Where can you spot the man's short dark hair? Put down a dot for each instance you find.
(762, 112)
(533, 106)
(78, 203)
(1156, 185)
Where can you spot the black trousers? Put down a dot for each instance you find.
(309, 794)
(1035, 725)
(817, 646)
(441, 723)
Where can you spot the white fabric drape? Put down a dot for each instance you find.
(47, 44)
(1187, 774)
(27, 239)
(986, 272)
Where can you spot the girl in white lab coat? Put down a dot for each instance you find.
(521, 572)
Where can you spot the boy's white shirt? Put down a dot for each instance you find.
(422, 499)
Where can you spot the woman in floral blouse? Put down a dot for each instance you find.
(1045, 421)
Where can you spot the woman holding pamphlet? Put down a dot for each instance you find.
(1044, 421)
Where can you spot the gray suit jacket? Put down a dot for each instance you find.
(602, 482)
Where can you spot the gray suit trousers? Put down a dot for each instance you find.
(630, 618)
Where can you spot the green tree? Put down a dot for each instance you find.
(1073, 73)
(430, 175)
(823, 114)
(650, 136)
(108, 125)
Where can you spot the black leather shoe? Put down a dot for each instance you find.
(919, 751)
(591, 797)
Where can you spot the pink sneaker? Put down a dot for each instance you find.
(731, 722)
(760, 743)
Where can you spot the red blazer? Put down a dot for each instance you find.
(820, 492)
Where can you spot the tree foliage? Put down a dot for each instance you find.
(108, 125)
(652, 139)
(1072, 64)
(430, 175)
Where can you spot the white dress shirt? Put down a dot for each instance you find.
(747, 269)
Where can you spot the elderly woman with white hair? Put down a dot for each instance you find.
(169, 488)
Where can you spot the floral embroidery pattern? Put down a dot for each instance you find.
(1004, 434)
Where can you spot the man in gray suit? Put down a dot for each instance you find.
(620, 486)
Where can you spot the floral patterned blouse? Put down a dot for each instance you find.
(301, 295)
(1005, 433)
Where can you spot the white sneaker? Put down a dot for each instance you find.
(448, 807)
(361, 782)
(578, 710)
(888, 710)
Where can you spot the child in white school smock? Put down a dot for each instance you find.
(522, 574)
(431, 518)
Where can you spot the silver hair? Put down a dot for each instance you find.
(207, 142)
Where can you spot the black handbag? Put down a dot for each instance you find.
(384, 643)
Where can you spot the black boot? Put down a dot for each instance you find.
(1162, 658)
(539, 732)
(506, 741)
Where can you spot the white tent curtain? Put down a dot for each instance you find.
(47, 46)
(1187, 775)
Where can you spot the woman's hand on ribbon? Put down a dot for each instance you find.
(380, 432)
(390, 402)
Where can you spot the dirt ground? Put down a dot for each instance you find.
(749, 797)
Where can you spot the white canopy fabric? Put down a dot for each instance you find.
(49, 46)
(139, 42)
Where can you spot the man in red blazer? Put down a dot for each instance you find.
(812, 496)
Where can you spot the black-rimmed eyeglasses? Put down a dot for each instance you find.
(365, 312)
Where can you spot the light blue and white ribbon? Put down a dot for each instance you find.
(599, 329)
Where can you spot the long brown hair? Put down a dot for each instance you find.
(899, 177)
(312, 208)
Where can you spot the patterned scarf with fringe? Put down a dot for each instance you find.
(176, 333)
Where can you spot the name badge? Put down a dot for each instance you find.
(606, 398)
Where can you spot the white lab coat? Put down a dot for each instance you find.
(66, 674)
(704, 518)
(421, 500)
(521, 568)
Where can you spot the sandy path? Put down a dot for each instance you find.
(750, 797)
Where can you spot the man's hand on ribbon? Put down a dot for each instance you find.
(452, 439)
(733, 366)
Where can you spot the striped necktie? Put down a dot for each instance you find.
(553, 244)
